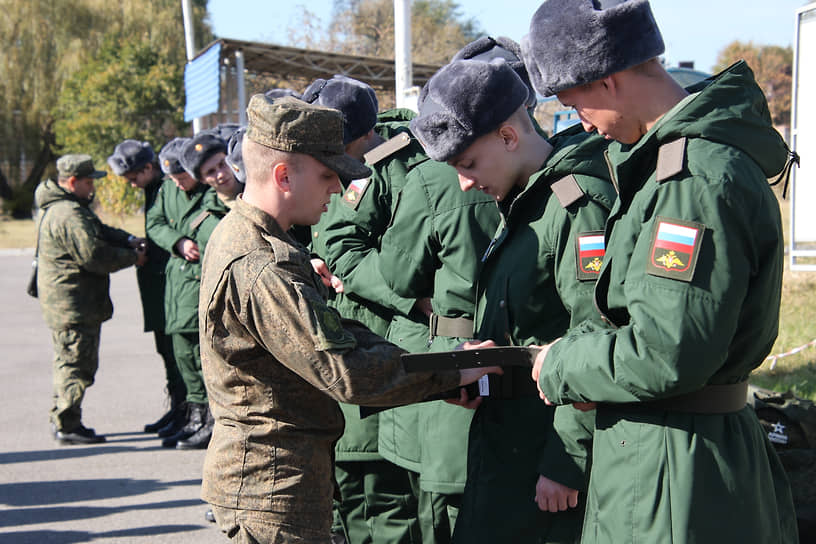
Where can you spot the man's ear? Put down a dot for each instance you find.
(280, 176)
(70, 183)
(509, 136)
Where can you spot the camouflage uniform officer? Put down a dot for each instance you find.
(137, 162)
(181, 221)
(689, 292)
(76, 252)
(529, 289)
(276, 358)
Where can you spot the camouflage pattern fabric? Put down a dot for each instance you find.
(276, 361)
(76, 359)
(76, 254)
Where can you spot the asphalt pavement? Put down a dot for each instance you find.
(127, 490)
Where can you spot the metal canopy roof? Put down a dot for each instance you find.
(282, 62)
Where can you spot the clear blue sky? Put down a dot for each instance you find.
(692, 29)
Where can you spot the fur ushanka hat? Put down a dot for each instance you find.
(573, 42)
(464, 100)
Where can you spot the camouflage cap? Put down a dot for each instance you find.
(80, 166)
(289, 124)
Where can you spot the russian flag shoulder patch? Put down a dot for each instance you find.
(590, 248)
(675, 248)
(355, 191)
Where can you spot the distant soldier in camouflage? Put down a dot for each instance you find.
(276, 358)
(76, 253)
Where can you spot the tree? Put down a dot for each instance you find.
(46, 43)
(366, 27)
(773, 68)
(128, 90)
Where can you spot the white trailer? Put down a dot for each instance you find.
(802, 250)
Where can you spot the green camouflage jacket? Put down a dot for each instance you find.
(76, 254)
(276, 360)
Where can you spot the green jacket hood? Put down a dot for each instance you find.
(730, 109)
(49, 192)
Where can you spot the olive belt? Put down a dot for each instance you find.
(711, 399)
(454, 327)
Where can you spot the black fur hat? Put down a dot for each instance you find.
(169, 156)
(464, 100)
(129, 156)
(200, 148)
(487, 48)
(572, 42)
(354, 99)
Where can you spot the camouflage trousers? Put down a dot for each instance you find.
(76, 359)
(256, 527)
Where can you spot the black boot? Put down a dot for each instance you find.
(175, 411)
(176, 423)
(201, 438)
(196, 418)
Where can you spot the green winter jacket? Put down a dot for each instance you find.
(76, 254)
(151, 275)
(347, 237)
(689, 294)
(433, 249)
(177, 214)
(530, 290)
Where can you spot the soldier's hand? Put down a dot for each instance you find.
(329, 280)
(188, 249)
(465, 401)
(554, 497)
(539, 361)
(141, 255)
(470, 375)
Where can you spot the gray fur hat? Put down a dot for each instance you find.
(354, 99)
(573, 42)
(129, 156)
(235, 159)
(200, 148)
(487, 48)
(450, 120)
(169, 156)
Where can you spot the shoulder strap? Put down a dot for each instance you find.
(39, 226)
(567, 190)
(387, 148)
(199, 219)
(671, 158)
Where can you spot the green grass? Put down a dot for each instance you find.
(21, 233)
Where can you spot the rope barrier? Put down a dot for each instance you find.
(774, 358)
